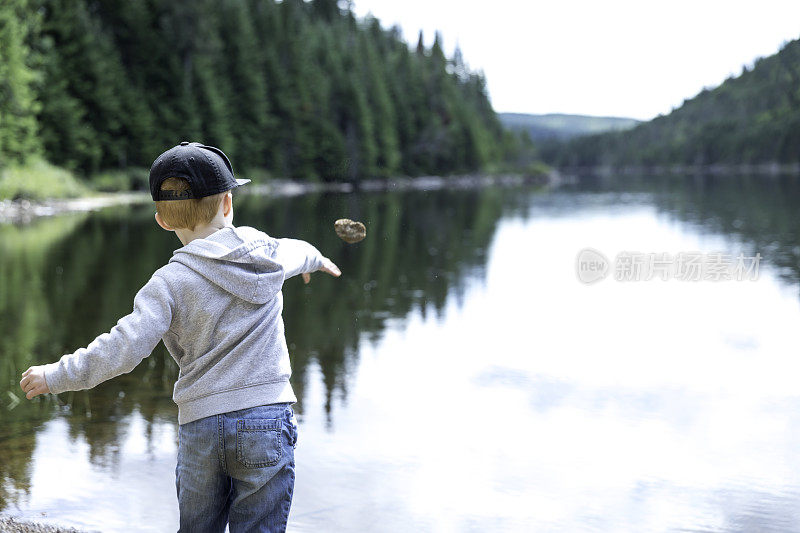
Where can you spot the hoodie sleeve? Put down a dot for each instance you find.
(120, 350)
(297, 257)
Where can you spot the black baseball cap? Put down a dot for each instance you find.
(207, 169)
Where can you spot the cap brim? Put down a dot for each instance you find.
(242, 182)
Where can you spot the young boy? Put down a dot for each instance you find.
(217, 305)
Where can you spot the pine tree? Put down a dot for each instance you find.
(249, 103)
(330, 162)
(67, 88)
(86, 87)
(196, 26)
(65, 134)
(18, 128)
(296, 101)
(383, 115)
(327, 10)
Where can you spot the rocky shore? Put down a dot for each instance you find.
(22, 211)
(9, 524)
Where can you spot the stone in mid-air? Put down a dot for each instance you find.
(350, 231)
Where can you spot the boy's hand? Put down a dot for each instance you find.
(33, 382)
(327, 266)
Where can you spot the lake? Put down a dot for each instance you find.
(459, 376)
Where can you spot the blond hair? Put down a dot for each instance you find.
(187, 214)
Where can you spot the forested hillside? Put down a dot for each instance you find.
(751, 119)
(303, 90)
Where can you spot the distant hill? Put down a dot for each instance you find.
(752, 119)
(560, 126)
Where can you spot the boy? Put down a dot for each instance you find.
(217, 305)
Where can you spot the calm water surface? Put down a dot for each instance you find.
(458, 377)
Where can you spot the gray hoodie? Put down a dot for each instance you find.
(217, 305)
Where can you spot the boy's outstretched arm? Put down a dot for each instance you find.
(300, 257)
(111, 354)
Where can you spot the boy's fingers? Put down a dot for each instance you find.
(331, 268)
(27, 372)
(37, 390)
(306, 277)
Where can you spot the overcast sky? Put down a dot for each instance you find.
(629, 58)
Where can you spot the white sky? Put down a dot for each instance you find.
(630, 58)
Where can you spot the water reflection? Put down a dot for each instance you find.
(67, 279)
(458, 377)
(757, 213)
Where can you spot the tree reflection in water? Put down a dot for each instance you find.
(65, 280)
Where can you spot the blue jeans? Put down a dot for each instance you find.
(237, 468)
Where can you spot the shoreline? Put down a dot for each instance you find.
(716, 169)
(11, 524)
(25, 211)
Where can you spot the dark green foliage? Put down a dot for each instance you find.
(301, 89)
(751, 119)
(17, 105)
(86, 97)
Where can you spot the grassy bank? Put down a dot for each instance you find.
(39, 180)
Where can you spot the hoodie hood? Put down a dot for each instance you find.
(238, 260)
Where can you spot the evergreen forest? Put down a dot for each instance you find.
(295, 89)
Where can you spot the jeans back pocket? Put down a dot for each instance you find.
(258, 441)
